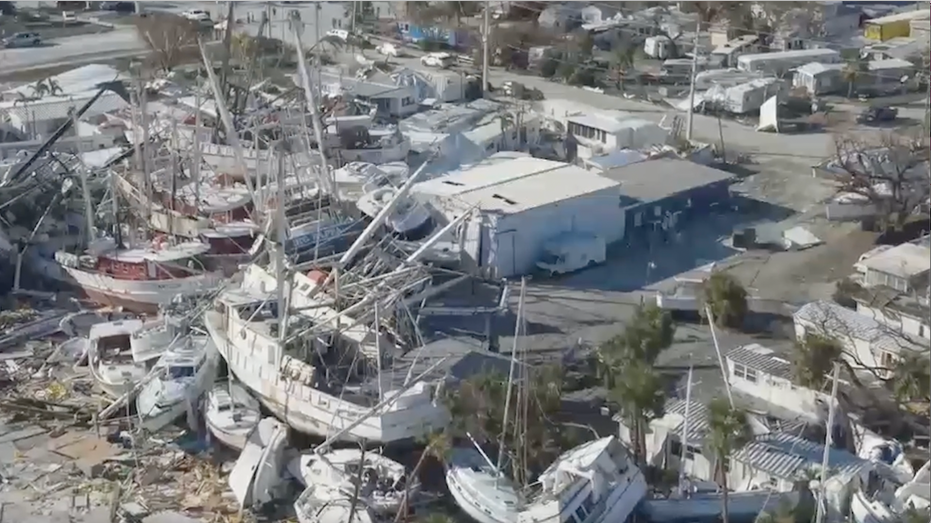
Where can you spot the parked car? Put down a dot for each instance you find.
(388, 49)
(342, 34)
(196, 15)
(878, 114)
(442, 60)
(25, 39)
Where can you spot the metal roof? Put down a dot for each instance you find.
(787, 456)
(698, 420)
(842, 322)
(905, 261)
(919, 14)
(762, 359)
(515, 185)
(654, 180)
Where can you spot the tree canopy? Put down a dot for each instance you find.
(726, 298)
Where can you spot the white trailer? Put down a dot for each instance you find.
(778, 64)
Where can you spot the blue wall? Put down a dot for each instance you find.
(690, 204)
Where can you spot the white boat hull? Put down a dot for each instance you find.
(470, 507)
(140, 295)
(232, 439)
(865, 511)
(311, 411)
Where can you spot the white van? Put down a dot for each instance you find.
(571, 252)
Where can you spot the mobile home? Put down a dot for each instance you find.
(893, 26)
(778, 64)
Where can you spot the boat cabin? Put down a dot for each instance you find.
(185, 361)
(114, 338)
(596, 482)
(164, 263)
(230, 238)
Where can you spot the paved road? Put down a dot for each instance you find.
(122, 42)
(805, 148)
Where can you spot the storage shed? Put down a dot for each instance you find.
(523, 202)
(657, 195)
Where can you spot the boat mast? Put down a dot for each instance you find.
(173, 170)
(828, 441)
(146, 180)
(507, 399)
(684, 438)
(195, 170)
(279, 252)
(381, 393)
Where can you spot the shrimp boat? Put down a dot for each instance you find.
(246, 325)
(116, 358)
(182, 374)
(326, 504)
(383, 480)
(139, 279)
(231, 414)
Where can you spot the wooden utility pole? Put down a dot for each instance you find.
(688, 129)
(227, 51)
(486, 37)
(828, 441)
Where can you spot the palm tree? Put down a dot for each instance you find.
(622, 60)
(726, 298)
(854, 69)
(639, 392)
(626, 363)
(728, 430)
(437, 446)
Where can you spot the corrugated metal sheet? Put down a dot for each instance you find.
(762, 359)
(786, 456)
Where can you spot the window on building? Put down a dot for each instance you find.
(407, 101)
(744, 372)
(887, 359)
(675, 448)
(692, 451)
(590, 133)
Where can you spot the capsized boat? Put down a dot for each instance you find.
(409, 219)
(383, 480)
(182, 374)
(601, 473)
(479, 489)
(326, 504)
(258, 471)
(231, 414)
